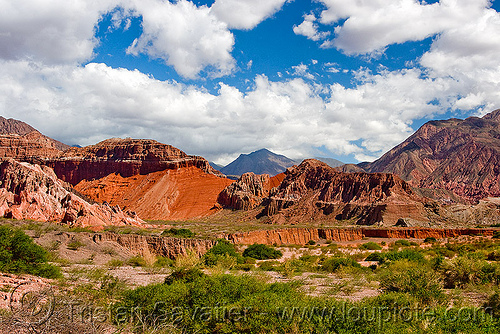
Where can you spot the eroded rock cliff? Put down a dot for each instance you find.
(248, 191)
(314, 190)
(126, 157)
(300, 236)
(34, 192)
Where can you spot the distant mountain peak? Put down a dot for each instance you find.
(262, 161)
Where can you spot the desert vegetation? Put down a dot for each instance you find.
(436, 286)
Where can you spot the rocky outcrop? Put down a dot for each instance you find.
(313, 190)
(34, 192)
(162, 246)
(126, 157)
(182, 193)
(300, 236)
(31, 147)
(248, 191)
(13, 126)
(462, 156)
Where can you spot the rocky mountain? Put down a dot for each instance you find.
(461, 156)
(126, 157)
(315, 191)
(12, 126)
(259, 162)
(34, 192)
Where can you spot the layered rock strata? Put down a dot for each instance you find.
(34, 192)
(462, 156)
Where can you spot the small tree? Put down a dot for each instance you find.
(19, 254)
(262, 252)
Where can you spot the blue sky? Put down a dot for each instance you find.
(335, 78)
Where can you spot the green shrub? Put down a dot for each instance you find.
(375, 257)
(244, 266)
(115, 263)
(462, 271)
(404, 243)
(19, 254)
(269, 265)
(406, 254)
(419, 281)
(370, 246)
(220, 251)
(311, 242)
(334, 263)
(75, 245)
(137, 261)
(496, 234)
(163, 262)
(185, 275)
(262, 252)
(429, 240)
(178, 233)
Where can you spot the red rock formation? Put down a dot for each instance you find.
(30, 147)
(162, 246)
(314, 190)
(13, 126)
(300, 236)
(248, 191)
(126, 157)
(34, 192)
(170, 194)
(462, 156)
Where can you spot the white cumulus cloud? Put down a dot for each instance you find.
(371, 25)
(245, 14)
(187, 37)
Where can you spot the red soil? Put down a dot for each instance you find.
(177, 194)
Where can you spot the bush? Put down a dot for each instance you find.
(268, 265)
(262, 252)
(334, 263)
(163, 262)
(137, 261)
(375, 257)
(74, 245)
(184, 275)
(178, 233)
(19, 254)
(370, 246)
(419, 281)
(429, 240)
(220, 252)
(404, 243)
(406, 254)
(311, 242)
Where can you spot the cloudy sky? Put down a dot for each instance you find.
(347, 79)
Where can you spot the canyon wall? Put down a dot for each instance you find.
(162, 246)
(300, 236)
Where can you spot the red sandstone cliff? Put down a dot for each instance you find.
(30, 147)
(462, 156)
(34, 192)
(126, 157)
(300, 236)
